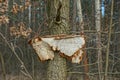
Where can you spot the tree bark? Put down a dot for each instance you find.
(98, 36)
(58, 12)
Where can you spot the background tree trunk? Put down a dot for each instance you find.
(80, 17)
(58, 25)
(98, 36)
(81, 25)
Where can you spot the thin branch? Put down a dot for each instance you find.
(13, 50)
(110, 73)
(3, 66)
(94, 31)
(109, 39)
(85, 65)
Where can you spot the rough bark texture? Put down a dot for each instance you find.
(57, 67)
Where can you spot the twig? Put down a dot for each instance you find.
(110, 73)
(3, 66)
(85, 65)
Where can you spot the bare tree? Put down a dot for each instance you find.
(81, 25)
(98, 36)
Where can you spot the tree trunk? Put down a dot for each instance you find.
(58, 12)
(98, 36)
(81, 24)
(80, 17)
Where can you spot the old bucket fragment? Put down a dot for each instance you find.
(42, 49)
(69, 46)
